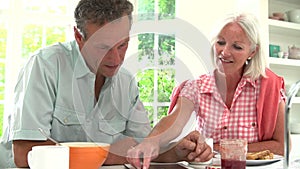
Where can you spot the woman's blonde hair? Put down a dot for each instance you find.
(249, 23)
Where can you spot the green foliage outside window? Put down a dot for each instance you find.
(1, 118)
(166, 82)
(166, 57)
(32, 39)
(146, 48)
(145, 83)
(3, 35)
(166, 50)
(55, 34)
(146, 9)
(2, 80)
(166, 9)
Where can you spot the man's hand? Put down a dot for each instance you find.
(146, 150)
(193, 148)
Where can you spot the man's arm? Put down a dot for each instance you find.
(118, 151)
(21, 149)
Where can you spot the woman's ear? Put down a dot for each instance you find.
(78, 37)
(256, 49)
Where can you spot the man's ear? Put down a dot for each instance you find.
(78, 37)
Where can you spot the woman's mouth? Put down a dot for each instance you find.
(225, 60)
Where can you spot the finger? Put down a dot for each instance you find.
(133, 157)
(193, 136)
(186, 145)
(148, 156)
(205, 155)
(146, 162)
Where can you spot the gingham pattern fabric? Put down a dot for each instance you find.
(214, 119)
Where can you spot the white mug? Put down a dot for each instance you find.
(48, 157)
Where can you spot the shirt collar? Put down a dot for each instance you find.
(80, 69)
(208, 84)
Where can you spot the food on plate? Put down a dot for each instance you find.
(260, 155)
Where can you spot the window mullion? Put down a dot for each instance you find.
(156, 63)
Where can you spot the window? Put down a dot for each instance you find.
(26, 25)
(157, 53)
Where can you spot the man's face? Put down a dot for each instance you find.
(105, 46)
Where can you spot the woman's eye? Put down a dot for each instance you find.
(237, 47)
(221, 42)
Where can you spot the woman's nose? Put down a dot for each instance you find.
(225, 51)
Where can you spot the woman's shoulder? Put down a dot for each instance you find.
(205, 78)
(271, 74)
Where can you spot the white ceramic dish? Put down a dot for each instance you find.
(294, 15)
(264, 162)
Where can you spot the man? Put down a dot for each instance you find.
(78, 91)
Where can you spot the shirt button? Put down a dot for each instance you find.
(253, 124)
(225, 127)
(65, 120)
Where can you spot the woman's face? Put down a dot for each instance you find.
(232, 48)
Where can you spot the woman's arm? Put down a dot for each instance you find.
(276, 145)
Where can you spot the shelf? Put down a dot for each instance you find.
(296, 100)
(284, 62)
(288, 28)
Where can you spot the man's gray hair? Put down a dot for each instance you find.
(100, 12)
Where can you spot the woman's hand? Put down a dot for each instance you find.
(145, 151)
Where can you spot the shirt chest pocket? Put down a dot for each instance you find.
(66, 118)
(67, 127)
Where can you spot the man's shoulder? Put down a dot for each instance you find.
(56, 50)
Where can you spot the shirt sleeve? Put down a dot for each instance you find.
(138, 125)
(34, 100)
(191, 92)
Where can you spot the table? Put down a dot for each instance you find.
(295, 164)
(276, 165)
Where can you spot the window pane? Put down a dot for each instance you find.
(150, 111)
(32, 39)
(3, 35)
(166, 50)
(146, 10)
(162, 111)
(1, 118)
(55, 34)
(166, 84)
(45, 6)
(2, 80)
(166, 9)
(146, 83)
(146, 49)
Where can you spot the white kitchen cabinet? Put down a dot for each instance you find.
(284, 34)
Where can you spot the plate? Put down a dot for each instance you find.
(263, 162)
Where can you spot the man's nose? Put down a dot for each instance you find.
(114, 54)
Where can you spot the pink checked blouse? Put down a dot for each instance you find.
(214, 119)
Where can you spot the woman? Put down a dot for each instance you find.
(231, 102)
